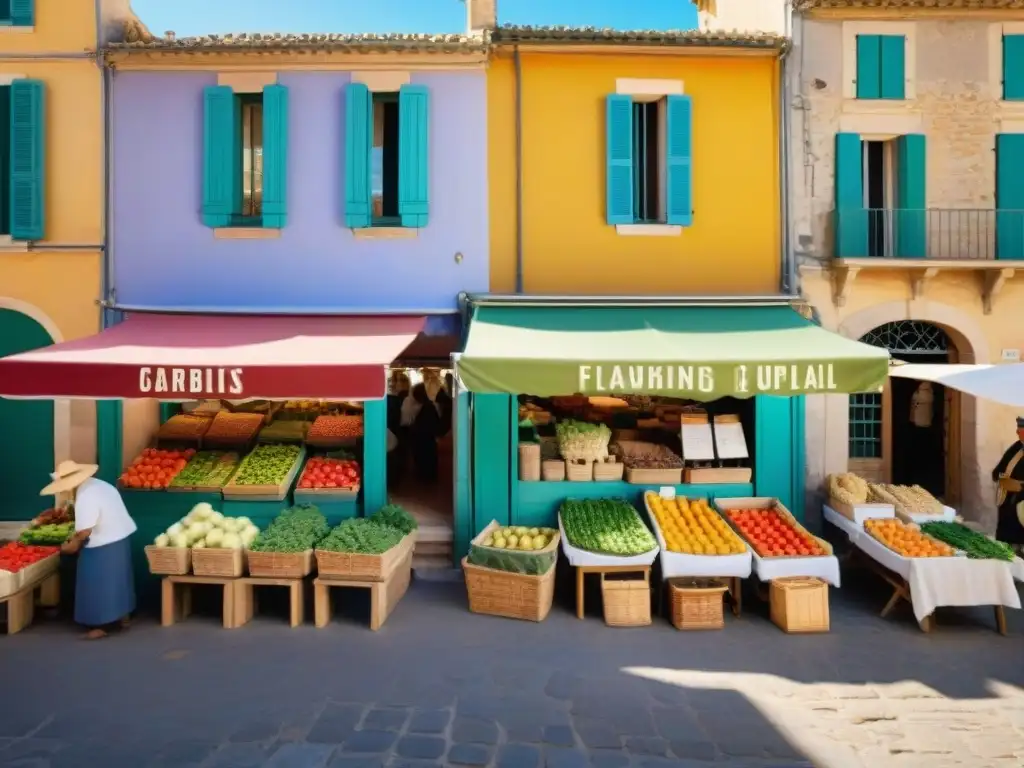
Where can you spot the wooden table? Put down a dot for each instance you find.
(176, 597)
(583, 570)
(21, 605)
(901, 591)
(245, 598)
(384, 595)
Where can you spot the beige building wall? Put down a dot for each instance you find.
(953, 87)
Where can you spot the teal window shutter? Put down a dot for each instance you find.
(23, 13)
(619, 148)
(222, 156)
(28, 154)
(358, 143)
(1013, 67)
(869, 64)
(911, 217)
(851, 222)
(413, 155)
(275, 156)
(893, 50)
(679, 161)
(1009, 196)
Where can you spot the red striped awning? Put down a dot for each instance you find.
(234, 357)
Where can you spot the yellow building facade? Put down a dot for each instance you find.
(706, 199)
(51, 223)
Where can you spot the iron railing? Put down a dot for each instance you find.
(935, 233)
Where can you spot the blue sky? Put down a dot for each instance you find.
(194, 17)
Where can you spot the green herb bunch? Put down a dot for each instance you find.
(362, 535)
(395, 516)
(974, 544)
(294, 530)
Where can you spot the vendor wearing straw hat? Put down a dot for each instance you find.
(1009, 476)
(104, 586)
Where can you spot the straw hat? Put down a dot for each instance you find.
(69, 475)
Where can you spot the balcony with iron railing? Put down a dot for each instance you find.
(923, 242)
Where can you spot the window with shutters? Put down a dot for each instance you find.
(17, 13)
(386, 157)
(881, 66)
(22, 168)
(251, 146)
(649, 173)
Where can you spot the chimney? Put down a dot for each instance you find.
(481, 16)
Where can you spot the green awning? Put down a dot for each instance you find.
(699, 353)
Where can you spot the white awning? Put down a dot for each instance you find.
(1000, 383)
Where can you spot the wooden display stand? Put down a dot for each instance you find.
(583, 570)
(176, 597)
(384, 595)
(245, 598)
(21, 605)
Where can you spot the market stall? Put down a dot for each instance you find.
(916, 544)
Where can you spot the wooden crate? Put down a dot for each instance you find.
(799, 604)
(176, 598)
(348, 565)
(218, 562)
(265, 492)
(21, 605)
(511, 595)
(10, 582)
(169, 561)
(245, 599)
(626, 599)
(718, 475)
(697, 605)
(579, 473)
(384, 595)
(723, 505)
(280, 565)
(552, 470)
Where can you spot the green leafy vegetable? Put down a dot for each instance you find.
(207, 469)
(48, 535)
(605, 526)
(294, 530)
(362, 535)
(974, 544)
(267, 465)
(396, 517)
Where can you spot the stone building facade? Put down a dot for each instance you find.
(904, 221)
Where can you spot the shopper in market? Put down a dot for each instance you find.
(105, 582)
(423, 436)
(1009, 476)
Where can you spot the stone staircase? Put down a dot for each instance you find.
(433, 548)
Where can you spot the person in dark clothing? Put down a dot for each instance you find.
(443, 401)
(1009, 475)
(423, 436)
(397, 458)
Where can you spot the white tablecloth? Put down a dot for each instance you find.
(939, 581)
(825, 568)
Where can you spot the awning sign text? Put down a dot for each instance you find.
(190, 381)
(746, 379)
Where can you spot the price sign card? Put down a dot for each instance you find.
(730, 440)
(698, 442)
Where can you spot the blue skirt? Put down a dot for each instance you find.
(105, 584)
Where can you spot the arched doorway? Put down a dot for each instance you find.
(26, 428)
(909, 433)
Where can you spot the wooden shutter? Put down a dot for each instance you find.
(1009, 196)
(679, 161)
(1013, 67)
(893, 66)
(275, 156)
(23, 13)
(222, 156)
(851, 223)
(413, 155)
(619, 149)
(869, 63)
(911, 216)
(28, 167)
(358, 144)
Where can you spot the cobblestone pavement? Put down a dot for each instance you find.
(439, 686)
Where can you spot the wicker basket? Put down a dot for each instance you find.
(281, 565)
(800, 604)
(169, 561)
(627, 599)
(512, 595)
(697, 604)
(553, 470)
(215, 561)
(610, 469)
(348, 565)
(579, 473)
(529, 462)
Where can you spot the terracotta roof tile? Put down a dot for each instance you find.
(595, 36)
(810, 5)
(281, 42)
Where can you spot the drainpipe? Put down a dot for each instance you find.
(789, 272)
(519, 168)
(110, 280)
